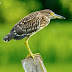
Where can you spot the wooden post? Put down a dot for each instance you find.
(33, 65)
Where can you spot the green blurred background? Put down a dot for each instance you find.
(53, 42)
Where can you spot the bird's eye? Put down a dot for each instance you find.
(52, 14)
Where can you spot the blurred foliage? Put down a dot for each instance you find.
(63, 7)
(12, 10)
(53, 42)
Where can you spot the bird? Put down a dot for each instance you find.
(29, 25)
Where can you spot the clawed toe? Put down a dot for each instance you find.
(33, 55)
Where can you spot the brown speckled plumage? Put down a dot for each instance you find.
(30, 24)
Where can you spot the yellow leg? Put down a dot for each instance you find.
(26, 43)
(30, 52)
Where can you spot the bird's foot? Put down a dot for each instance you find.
(33, 55)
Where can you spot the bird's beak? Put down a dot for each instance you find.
(58, 16)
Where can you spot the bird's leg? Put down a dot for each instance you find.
(26, 43)
(30, 52)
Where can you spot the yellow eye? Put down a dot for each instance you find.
(51, 14)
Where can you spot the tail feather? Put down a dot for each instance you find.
(9, 36)
(19, 37)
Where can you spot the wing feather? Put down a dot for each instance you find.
(28, 24)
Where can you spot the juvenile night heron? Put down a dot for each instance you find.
(31, 24)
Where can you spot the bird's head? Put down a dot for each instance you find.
(51, 15)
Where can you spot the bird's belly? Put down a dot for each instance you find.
(43, 25)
